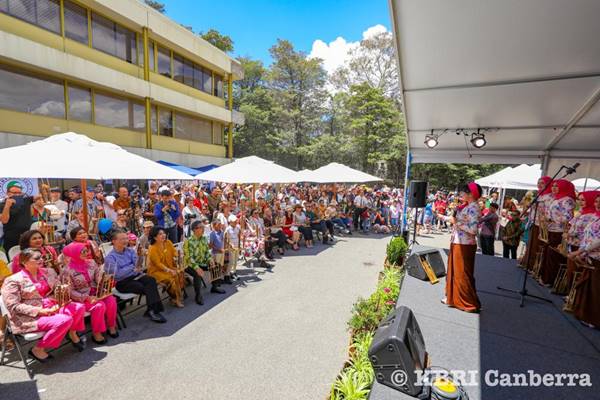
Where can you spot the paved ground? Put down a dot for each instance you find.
(275, 335)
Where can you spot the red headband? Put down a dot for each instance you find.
(474, 190)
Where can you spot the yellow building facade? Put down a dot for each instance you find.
(116, 71)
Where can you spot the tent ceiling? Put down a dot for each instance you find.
(528, 70)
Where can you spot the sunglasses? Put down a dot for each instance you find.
(36, 258)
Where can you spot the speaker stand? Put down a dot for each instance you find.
(414, 236)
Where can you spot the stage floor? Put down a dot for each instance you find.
(503, 337)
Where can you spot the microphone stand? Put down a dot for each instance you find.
(523, 292)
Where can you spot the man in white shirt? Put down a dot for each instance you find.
(232, 245)
(360, 203)
(60, 223)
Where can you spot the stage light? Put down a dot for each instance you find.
(478, 139)
(431, 140)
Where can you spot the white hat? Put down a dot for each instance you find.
(232, 218)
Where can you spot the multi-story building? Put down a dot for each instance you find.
(116, 71)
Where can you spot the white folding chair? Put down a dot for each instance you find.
(106, 248)
(13, 251)
(27, 337)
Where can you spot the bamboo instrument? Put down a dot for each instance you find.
(104, 285)
(62, 293)
(428, 270)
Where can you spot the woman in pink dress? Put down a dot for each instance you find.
(84, 275)
(26, 295)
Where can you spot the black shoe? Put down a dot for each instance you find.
(199, 299)
(80, 346)
(103, 341)
(114, 335)
(156, 317)
(40, 360)
(227, 280)
(216, 289)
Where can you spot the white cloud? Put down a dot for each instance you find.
(335, 54)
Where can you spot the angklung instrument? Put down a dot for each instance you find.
(104, 284)
(62, 293)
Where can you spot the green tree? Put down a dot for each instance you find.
(298, 84)
(160, 7)
(218, 40)
(374, 123)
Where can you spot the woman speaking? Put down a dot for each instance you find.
(460, 278)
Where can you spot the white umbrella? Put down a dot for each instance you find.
(339, 173)
(306, 175)
(76, 156)
(582, 184)
(73, 156)
(250, 170)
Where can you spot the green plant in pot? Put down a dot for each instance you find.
(396, 251)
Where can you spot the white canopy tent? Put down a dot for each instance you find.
(250, 170)
(305, 175)
(494, 179)
(524, 72)
(76, 156)
(339, 173)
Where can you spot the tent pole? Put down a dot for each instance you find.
(585, 185)
(84, 204)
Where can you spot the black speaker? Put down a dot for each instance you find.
(417, 194)
(414, 267)
(398, 350)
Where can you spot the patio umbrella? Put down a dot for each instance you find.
(339, 173)
(250, 170)
(75, 156)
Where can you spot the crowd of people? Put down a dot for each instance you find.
(172, 236)
(560, 232)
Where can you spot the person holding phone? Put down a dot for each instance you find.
(16, 214)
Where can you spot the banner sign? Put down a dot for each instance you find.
(29, 185)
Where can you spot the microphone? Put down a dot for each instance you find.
(573, 169)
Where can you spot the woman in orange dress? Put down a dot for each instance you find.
(461, 292)
(161, 265)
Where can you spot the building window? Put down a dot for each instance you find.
(80, 104)
(218, 90)
(139, 117)
(191, 128)
(43, 13)
(217, 133)
(164, 62)
(76, 22)
(188, 73)
(165, 123)
(207, 80)
(153, 121)
(198, 77)
(151, 56)
(26, 93)
(117, 112)
(178, 68)
(113, 39)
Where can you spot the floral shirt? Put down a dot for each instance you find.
(559, 213)
(464, 230)
(578, 225)
(543, 205)
(196, 252)
(591, 235)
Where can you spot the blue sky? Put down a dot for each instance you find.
(255, 25)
